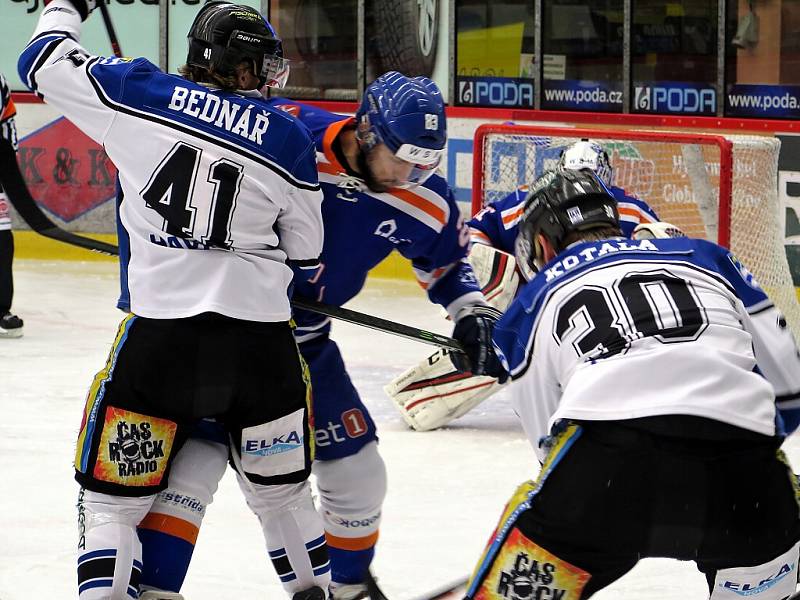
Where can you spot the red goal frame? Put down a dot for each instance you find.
(725, 156)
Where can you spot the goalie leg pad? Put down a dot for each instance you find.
(433, 393)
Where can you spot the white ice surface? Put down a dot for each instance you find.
(446, 488)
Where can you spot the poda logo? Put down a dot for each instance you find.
(674, 99)
(496, 92)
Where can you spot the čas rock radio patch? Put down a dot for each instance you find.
(133, 448)
(525, 571)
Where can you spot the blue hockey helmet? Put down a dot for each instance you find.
(407, 115)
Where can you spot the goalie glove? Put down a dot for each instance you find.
(433, 393)
(658, 229)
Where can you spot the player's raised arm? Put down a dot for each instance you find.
(55, 61)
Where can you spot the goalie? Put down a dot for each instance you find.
(433, 392)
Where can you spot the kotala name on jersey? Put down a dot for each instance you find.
(210, 108)
(592, 253)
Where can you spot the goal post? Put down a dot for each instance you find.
(716, 186)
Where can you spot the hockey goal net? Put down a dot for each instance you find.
(720, 187)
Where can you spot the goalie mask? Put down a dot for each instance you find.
(587, 154)
(223, 35)
(560, 203)
(407, 115)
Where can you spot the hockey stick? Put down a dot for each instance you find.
(379, 324)
(453, 590)
(112, 34)
(49, 229)
(26, 206)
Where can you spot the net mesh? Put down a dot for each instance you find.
(680, 180)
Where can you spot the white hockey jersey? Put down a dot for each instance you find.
(623, 329)
(218, 189)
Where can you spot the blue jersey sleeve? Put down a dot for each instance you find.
(497, 224)
(438, 257)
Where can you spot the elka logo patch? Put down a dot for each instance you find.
(66, 171)
(134, 448)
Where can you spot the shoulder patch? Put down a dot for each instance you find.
(292, 109)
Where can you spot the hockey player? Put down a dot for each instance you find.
(431, 394)
(219, 195)
(10, 324)
(377, 172)
(656, 364)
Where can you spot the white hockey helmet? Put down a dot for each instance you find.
(587, 154)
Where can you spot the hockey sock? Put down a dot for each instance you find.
(110, 555)
(166, 559)
(349, 566)
(293, 532)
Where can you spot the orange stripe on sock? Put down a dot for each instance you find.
(359, 543)
(171, 526)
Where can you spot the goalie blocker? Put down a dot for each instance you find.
(433, 393)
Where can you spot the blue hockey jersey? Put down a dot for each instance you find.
(363, 227)
(497, 224)
(621, 329)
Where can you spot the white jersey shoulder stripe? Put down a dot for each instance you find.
(44, 54)
(140, 114)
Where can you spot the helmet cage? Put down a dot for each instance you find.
(425, 161)
(587, 154)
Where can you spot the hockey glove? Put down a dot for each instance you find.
(474, 330)
(84, 7)
(659, 229)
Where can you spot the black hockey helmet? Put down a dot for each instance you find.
(224, 34)
(561, 202)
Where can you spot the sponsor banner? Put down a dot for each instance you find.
(524, 569)
(763, 101)
(674, 98)
(275, 448)
(352, 425)
(775, 579)
(574, 94)
(67, 172)
(134, 448)
(495, 91)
